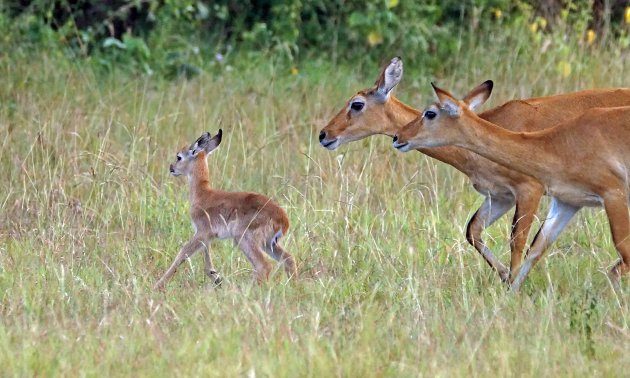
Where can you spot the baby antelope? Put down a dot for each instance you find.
(252, 220)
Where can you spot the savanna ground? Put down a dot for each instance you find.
(90, 218)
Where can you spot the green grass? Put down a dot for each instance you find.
(90, 218)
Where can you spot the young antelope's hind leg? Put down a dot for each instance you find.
(255, 255)
(279, 254)
(490, 210)
(209, 268)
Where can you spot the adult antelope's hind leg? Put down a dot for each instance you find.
(527, 201)
(559, 216)
(279, 254)
(209, 267)
(616, 206)
(490, 210)
(187, 250)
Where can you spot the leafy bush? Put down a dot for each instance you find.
(176, 37)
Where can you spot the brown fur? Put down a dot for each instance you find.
(583, 161)
(253, 221)
(503, 187)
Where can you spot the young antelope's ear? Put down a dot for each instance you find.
(390, 77)
(213, 142)
(448, 103)
(479, 95)
(199, 144)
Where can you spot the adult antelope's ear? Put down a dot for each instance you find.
(199, 144)
(448, 103)
(214, 142)
(479, 95)
(390, 77)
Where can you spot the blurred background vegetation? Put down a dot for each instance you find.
(173, 38)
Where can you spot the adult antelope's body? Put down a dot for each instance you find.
(376, 111)
(253, 221)
(584, 161)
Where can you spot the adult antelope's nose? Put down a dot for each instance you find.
(395, 138)
(322, 135)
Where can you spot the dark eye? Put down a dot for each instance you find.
(179, 158)
(429, 114)
(357, 106)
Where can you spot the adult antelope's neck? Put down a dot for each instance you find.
(533, 154)
(199, 179)
(399, 114)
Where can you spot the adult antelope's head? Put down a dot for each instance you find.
(187, 156)
(440, 123)
(365, 112)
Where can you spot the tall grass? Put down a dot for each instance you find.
(90, 218)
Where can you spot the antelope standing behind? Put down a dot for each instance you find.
(584, 161)
(252, 220)
(376, 111)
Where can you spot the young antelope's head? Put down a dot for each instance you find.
(440, 123)
(198, 151)
(364, 114)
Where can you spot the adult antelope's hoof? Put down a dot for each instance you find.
(505, 276)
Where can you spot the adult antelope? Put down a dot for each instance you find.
(376, 111)
(253, 221)
(583, 161)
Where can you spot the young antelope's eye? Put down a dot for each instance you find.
(179, 157)
(429, 114)
(357, 106)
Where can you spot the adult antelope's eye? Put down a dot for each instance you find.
(429, 114)
(357, 106)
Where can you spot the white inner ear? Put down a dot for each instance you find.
(476, 102)
(393, 75)
(451, 108)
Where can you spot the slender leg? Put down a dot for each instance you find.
(616, 206)
(209, 267)
(187, 250)
(559, 216)
(490, 210)
(278, 253)
(527, 201)
(255, 255)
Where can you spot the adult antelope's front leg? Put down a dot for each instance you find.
(527, 202)
(490, 210)
(616, 206)
(187, 250)
(559, 216)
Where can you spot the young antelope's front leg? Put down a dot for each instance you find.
(187, 250)
(209, 268)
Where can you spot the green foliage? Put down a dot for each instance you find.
(182, 37)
